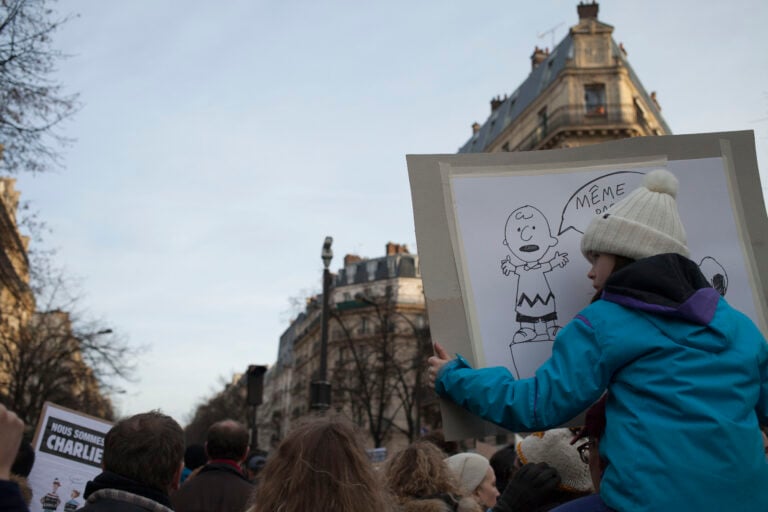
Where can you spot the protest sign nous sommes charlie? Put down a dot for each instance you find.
(477, 281)
(68, 447)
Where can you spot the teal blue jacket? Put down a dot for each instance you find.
(687, 377)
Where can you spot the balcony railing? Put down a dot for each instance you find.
(574, 116)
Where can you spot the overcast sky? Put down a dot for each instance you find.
(220, 142)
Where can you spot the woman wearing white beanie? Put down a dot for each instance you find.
(682, 368)
(476, 477)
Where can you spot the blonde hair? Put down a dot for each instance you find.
(321, 465)
(418, 471)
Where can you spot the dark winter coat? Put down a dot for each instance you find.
(10, 497)
(218, 487)
(110, 492)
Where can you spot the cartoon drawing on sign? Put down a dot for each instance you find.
(72, 504)
(715, 274)
(528, 238)
(51, 501)
(595, 197)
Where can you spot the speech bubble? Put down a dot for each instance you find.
(595, 197)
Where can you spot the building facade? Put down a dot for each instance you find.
(40, 356)
(377, 343)
(17, 303)
(582, 92)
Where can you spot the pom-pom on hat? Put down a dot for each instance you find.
(554, 447)
(643, 224)
(469, 468)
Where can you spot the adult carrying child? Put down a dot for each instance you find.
(687, 374)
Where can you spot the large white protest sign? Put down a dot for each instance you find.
(499, 238)
(68, 450)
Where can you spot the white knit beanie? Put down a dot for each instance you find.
(469, 468)
(643, 224)
(554, 447)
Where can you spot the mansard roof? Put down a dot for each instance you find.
(539, 79)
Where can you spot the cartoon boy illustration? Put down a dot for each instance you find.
(72, 504)
(51, 501)
(528, 238)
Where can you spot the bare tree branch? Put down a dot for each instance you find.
(32, 103)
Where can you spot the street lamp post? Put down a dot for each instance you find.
(321, 389)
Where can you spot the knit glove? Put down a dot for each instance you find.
(529, 489)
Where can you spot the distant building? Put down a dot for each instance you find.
(16, 299)
(41, 358)
(378, 341)
(17, 303)
(582, 92)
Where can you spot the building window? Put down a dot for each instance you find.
(594, 98)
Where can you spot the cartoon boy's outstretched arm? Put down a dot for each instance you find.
(558, 260)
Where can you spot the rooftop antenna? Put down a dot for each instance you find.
(551, 32)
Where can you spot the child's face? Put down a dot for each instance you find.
(602, 266)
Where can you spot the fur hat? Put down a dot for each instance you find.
(470, 469)
(643, 224)
(554, 447)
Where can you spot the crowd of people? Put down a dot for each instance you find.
(321, 465)
(674, 382)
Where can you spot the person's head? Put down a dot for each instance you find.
(227, 439)
(589, 450)
(320, 465)
(554, 447)
(475, 476)
(527, 234)
(603, 265)
(587, 441)
(147, 448)
(74, 494)
(254, 464)
(56, 484)
(194, 456)
(643, 224)
(503, 463)
(418, 471)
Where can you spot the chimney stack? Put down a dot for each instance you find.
(588, 11)
(393, 248)
(655, 101)
(539, 56)
(475, 127)
(351, 258)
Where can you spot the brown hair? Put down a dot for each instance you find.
(227, 439)
(321, 465)
(147, 448)
(419, 471)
